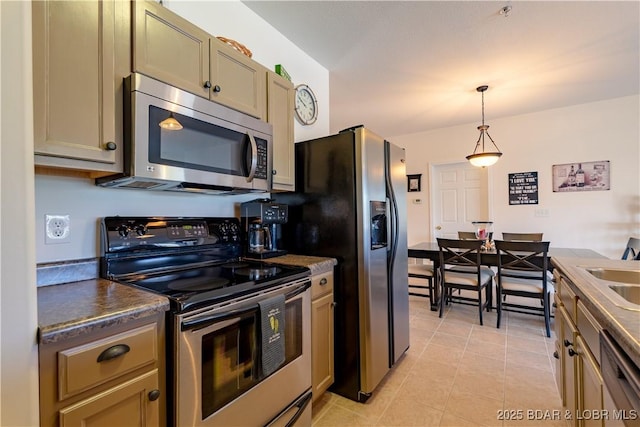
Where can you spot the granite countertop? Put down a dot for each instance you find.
(73, 309)
(617, 315)
(317, 265)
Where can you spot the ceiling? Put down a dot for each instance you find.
(401, 67)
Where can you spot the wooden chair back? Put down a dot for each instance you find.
(632, 249)
(526, 237)
(459, 253)
(524, 257)
(467, 235)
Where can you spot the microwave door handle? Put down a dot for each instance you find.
(254, 157)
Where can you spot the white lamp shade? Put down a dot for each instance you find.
(484, 159)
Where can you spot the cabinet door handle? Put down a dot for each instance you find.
(110, 146)
(113, 352)
(333, 304)
(572, 352)
(207, 84)
(217, 88)
(567, 343)
(323, 281)
(556, 355)
(154, 395)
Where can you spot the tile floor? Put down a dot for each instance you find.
(458, 373)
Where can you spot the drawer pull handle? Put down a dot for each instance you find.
(113, 352)
(323, 281)
(154, 395)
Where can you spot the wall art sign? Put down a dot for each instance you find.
(585, 176)
(413, 182)
(523, 188)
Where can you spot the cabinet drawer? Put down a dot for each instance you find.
(86, 366)
(589, 329)
(568, 298)
(321, 284)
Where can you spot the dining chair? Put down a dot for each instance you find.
(467, 235)
(460, 268)
(529, 237)
(422, 272)
(632, 249)
(525, 237)
(522, 272)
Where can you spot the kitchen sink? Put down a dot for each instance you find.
(626, 288)
(631, 277)
(629, 292)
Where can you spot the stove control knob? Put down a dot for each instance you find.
(123, 230)
(141, 229)
(234, 230)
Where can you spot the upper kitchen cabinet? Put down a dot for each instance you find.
(81, 53)
(280, 108)
(170, 48)
(173, 50)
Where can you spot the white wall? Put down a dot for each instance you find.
(18, 308)
(86, 203)
(600, 220)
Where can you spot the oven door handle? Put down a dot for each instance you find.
(300, 406)
(204, 321)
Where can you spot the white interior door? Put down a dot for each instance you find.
(459, 196)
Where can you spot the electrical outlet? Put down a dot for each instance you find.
(57, 229)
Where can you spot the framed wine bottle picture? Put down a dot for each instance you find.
(581, 176)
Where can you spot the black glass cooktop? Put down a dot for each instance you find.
(194, 287)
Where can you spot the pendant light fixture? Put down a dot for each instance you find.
(170, 123)
(480, 157)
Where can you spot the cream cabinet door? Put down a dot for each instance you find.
(237, 81)
(280, 98)
(78, 57)
(570, 363)
(591, 392)
(322, 333)
(129, 404)
(170, 48)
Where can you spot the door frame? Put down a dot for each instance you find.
(431, 167)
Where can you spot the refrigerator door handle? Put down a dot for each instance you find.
(393, 210)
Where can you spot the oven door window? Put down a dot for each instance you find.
(231, 357)
(199, 145)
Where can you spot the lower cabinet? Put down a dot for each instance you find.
(577, 369)
(114, 377)
(126, 404)
(322, 325)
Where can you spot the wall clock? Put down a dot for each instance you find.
(306, 105)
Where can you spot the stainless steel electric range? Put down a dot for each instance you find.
(218, 372)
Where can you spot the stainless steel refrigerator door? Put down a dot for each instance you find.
(373, 293)
(398, 252)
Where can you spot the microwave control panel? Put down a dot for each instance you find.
(262, 166)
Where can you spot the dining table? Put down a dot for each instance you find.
(431, 251)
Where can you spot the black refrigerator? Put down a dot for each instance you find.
(350, 204)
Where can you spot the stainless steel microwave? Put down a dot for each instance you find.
(177, 141)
